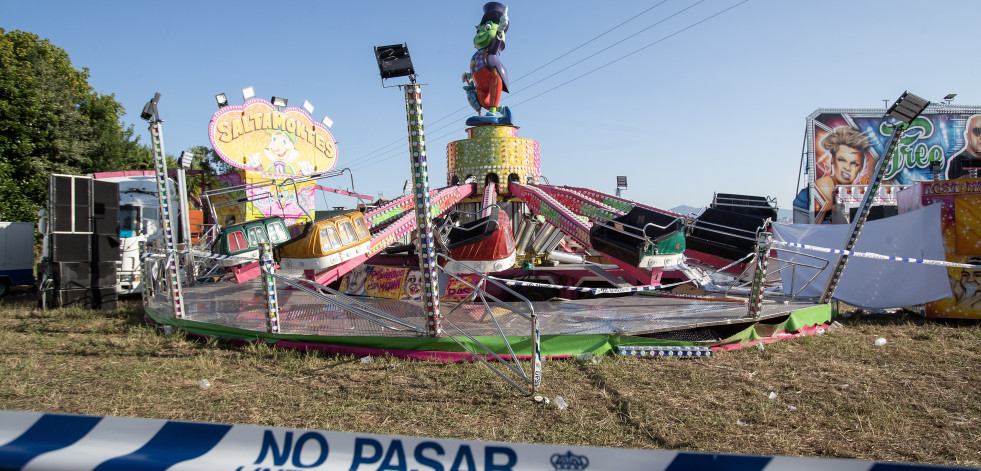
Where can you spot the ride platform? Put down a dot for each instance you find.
(567, 327)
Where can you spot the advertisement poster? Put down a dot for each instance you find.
(259, 201)
(960, 201)
(844, 147)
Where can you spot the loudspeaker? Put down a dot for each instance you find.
(62, 218)
(76, 275)
(71, 247)
(70, 201)
(90, 298)
(105, 220)
(71, 218)
(60, 189)
(106, 248)
(83, 192)
(105, 194)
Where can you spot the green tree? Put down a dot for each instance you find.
(210, 166)
(51, 121)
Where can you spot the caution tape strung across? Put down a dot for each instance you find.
(850, 253)
(34, 440)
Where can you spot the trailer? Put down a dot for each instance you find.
(16, 255)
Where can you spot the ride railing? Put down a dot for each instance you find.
(349, 304)
(721, 229)
(510, 367)
(639, 233)
(746, 279)
(725, 201)
(490, 302)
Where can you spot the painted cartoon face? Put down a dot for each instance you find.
(280, 145)
(973, 135)
(847, 163)
(413, 284)
(485, 34)
(356, 280)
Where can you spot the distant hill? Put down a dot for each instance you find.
(782, 214)
(685, 209)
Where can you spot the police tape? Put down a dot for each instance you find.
(34, 441)
(850, 253)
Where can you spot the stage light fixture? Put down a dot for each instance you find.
(907, 107)
(186, 158)
(278, 102)
(394, 61)
(150, 109)
(222, 100)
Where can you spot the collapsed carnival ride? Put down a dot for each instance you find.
(498, 264)
(501, 244)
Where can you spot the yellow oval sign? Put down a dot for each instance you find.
(256, 136)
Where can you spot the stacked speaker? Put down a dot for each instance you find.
(83, 243)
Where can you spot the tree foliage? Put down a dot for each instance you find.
(207, 162)
(52, 121)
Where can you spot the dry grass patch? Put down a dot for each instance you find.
(915, 399)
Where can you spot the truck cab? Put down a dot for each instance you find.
(139, 222)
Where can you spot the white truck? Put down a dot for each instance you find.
(16, 255)
(139, 221)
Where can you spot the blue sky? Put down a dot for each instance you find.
(696, 103)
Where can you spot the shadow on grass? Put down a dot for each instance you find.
(620, 406)
(861, 317)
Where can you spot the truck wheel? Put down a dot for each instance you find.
(4, 287)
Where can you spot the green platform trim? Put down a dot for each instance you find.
(552, 345)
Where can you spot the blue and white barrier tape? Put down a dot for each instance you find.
(35, 441)
(659, 351)
(850, 253)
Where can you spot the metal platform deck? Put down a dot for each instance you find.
(243, 307)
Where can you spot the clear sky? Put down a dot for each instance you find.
(685, 97)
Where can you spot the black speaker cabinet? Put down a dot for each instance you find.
(89, 298)
(75, 275)
(71, 247)
(105, 220)
(105, 194)
(106, 248)
(70, 203)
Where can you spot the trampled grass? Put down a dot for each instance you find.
(914, 399)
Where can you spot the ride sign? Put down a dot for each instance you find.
(259, 137)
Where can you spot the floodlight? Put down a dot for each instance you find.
(621, 182)
(907, 107)
(407, 188)
(308, 106)
(248, 92)
(278, 102)
(394, 61)
(150, 109)
(186, 158)
(950, 96)
(327, 121)
(222, 100)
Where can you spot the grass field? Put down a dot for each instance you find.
(915, 399)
